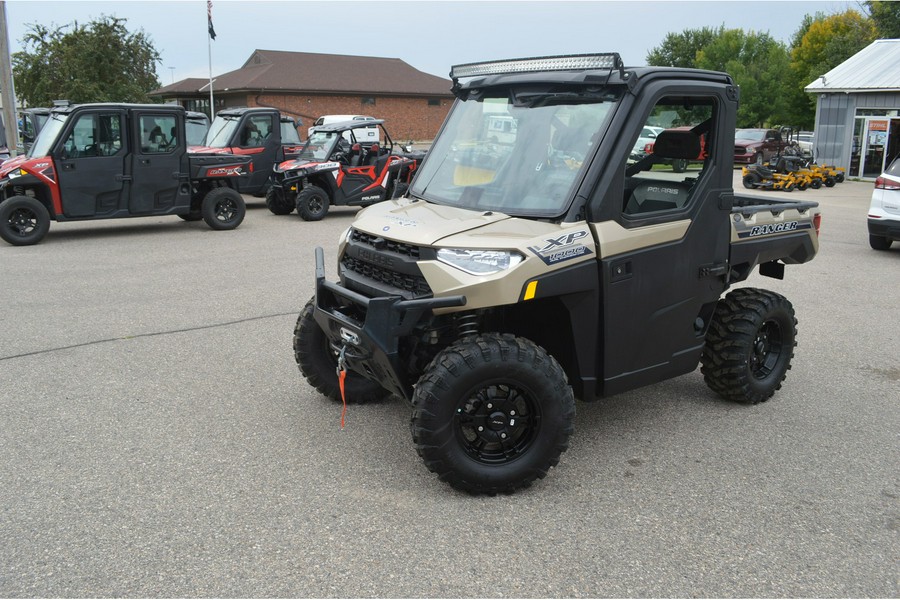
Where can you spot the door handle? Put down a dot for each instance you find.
(145, 161)
(68, 166)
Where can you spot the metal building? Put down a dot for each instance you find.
(858, 111)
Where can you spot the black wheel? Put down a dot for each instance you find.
(829, 181)
(879, 243)
(492, 413)
(23, 221)
(749, 345)
(839, 178)
(750, 180)
(317, 361)
(758, 159)
(223, 208)
(789, 187)
(816, 183)
(680, 165)
(312, 203)
(276, 203)
(802, 185)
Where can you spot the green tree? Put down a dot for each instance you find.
(98, 62)
(680, 49)
(759, 65)
(820, 45)
(886, 16)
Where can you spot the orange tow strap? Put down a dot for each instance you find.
(341, 376)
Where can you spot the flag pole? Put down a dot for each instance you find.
(209, 39)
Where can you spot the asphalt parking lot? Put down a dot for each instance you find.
(158, 441)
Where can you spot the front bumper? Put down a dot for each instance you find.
(371, 342)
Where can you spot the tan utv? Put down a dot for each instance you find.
(528, 267)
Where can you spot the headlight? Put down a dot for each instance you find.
(479, 262)
(16, 173)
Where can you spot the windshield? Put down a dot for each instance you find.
(195, 131)
(221, 131)
(318, 146)
(517, 151)
(753, 135)
(289, 133)
(43, 143)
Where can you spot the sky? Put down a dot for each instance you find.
(428, 35)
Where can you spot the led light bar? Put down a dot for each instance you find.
(571, 62)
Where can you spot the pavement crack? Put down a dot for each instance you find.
(145, 335)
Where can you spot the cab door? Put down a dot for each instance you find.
(155, 162)
(259, 138)
(91, 164)
(664, 247)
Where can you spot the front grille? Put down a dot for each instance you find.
(380, 243)
(414, 284)
(376, 266)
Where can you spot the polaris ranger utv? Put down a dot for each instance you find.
(110, 161)
(519, 274)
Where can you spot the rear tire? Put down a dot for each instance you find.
(879, 243)
(829, 182)
(23, 220)
(223, 208)
(679, 165)
(749, 345)
(312, 203)
(318, 363)
(750, 180)
(492, 413)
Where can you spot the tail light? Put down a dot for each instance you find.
(817, 222)
(886, 184)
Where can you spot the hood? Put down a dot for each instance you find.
(31, 164)
(418, 222)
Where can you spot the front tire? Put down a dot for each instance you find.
(876, 242)
(312, 203)
(276, 203)
(492, 413)
(318, 363)
(223, 209)
(23, 220)
(749, 345)
(679, 165)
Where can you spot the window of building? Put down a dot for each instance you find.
(434, 102)
(368, 101)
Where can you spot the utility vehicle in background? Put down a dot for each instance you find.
(334, 168)
(110, 161)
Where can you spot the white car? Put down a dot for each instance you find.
(805, 140)
(648, 136)
(884, 212)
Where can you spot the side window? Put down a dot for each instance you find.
(158, 134)
(94, 135)
(669, 156)
(256, 131)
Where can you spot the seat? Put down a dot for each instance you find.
(355, 155)
(651, 195)
(371, 155)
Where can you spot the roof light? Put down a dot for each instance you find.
(572, 62)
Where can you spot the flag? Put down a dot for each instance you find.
(212, 32)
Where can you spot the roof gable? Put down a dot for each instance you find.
(273, 70)
(874, 68)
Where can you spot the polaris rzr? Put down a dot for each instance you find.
(335, 168)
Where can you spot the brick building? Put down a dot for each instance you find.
(308, 85)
